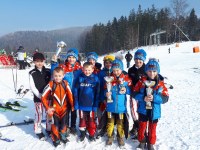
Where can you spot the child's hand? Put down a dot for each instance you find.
(54, 58)
(148, 98)
(72, 109)
(108, 94)
(50, 111)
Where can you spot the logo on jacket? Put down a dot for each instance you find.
(86, 84)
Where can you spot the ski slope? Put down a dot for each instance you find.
(178, 128)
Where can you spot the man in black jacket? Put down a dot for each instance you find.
(135, 73)
(128, 58)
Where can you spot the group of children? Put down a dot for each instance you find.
(69, 88)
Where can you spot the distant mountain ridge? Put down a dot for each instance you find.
(44, 40)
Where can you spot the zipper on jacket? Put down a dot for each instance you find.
(60, 95)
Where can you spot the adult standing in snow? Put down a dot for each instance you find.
(21, 57)
(39, 77)
(135, 73)
(149, 102)
(128, 58)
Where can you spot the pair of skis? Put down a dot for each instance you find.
(15, 106)
(21, 93)
(24, 122)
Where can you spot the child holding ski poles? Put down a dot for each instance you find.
(72, 70)
(55, 97)
(86, 96)
(39, 77)
(150, 92)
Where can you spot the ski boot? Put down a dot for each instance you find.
(109, 141)
(141, 146)
(56, 143)
(41, 136)
(82, 136)
(120, 141)
(91, 138)
(63, 137)
(150, 147)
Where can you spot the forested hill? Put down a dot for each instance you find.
(44, 40)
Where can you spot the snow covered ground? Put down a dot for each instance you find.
(178, 129)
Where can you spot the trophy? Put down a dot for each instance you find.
(60, 46)
(121, 86)
(108, 80)
(149, 91)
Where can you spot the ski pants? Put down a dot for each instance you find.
(145, 121)
(71, 120)
(39, 109)
(134, 107)
(58, 127)
(128, 64)
(87, 121)
(21, 64)
(119, 119)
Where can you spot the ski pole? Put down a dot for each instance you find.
(16, 79)
(13, 80)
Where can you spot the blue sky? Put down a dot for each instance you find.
(21, 15)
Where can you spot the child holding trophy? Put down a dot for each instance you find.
(72, 70)
(55, 98)
(150, 92)
(116, 102)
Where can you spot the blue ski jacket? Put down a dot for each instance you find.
(86, 92)
(119, 104)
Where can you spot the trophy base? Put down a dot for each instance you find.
(109, 100)
(148, 107)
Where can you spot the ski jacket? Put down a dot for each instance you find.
(38, 79)
(128, 57)
(71, 72)
(86, 92)
(104, 72)
(136, 73)
(119, 104)
(20, 55)
(160, 95)
(57, 98)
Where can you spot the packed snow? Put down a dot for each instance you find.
(178, 128)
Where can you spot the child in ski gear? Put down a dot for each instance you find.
(72, 70)
(135, 73)
(128, 58)
(149, 103)
(106, 71)
(54, 98)
(39, 77)
(116, 109)
(92, 57)
(86, 95)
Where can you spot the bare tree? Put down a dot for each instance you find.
(179, 8)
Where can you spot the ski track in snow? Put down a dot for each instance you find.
(178, 128)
